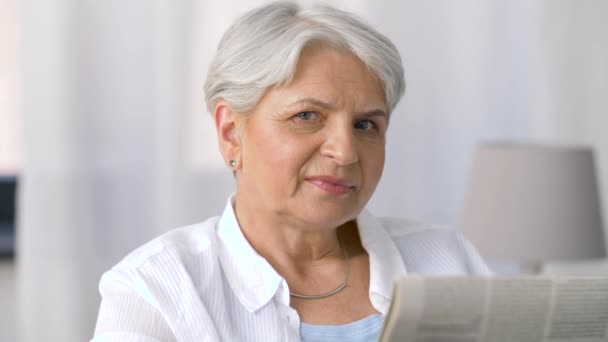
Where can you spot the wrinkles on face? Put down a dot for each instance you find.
(330, 122)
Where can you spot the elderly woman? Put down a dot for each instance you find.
(301, 101)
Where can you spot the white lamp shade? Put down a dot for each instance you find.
(533, 203)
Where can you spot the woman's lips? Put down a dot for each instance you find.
(331, 184)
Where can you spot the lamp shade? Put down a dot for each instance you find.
(534, 203)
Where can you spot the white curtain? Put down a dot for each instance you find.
(119, 147)
(107, 89)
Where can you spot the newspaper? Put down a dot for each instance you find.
(497, 309)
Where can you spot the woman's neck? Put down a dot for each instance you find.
(288, 244)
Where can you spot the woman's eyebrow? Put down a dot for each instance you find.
(313, 101)
(326, 105)
(372, 113)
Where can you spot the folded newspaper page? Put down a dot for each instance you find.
(497, 309)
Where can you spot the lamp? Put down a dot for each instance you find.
(532, 203)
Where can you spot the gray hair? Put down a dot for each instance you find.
(261, 49)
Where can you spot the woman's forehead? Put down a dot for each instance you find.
(327, 76)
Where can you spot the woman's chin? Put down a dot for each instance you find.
(328, 215)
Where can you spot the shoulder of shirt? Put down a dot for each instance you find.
(398, 227)
(192, 239)
(448, 246)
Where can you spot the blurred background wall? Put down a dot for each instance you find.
(106, 98)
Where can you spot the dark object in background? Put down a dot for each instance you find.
(8, 188)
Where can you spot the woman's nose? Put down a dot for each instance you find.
(340, 146)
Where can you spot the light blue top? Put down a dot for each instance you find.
(364, 330)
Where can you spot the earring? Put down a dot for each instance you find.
(232, 163)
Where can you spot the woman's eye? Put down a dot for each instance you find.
(306, 116)
(366, 125)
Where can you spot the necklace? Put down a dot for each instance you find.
(337, 289)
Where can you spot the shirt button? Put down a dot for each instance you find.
(288, 319)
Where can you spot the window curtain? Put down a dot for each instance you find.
(119, 147)
(108, 88)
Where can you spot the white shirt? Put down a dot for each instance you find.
(205, 282)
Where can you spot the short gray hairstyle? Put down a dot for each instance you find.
(261, 50)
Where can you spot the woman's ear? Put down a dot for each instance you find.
(227, 125)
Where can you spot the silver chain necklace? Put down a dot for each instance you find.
(337, 289)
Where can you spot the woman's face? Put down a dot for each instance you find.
(313, 151)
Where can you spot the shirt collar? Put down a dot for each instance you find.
(255, 282)
(252, 279)
(385, 261)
